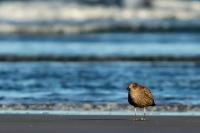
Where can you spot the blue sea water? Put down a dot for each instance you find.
(99, 82)
(157, 44)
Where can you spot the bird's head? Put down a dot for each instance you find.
(132, 86)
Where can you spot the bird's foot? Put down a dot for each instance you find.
(137, 119)
(134, 119)
(140, 119)
(143, 119)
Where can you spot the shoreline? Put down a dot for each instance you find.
(94, 113)
(109, 107)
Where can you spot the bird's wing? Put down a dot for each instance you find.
(148, 96)
(148, 93)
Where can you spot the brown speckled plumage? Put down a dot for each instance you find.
(140, 96)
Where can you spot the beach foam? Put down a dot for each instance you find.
(40, 17)
(95, 108)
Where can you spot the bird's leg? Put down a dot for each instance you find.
(135, 113)
(144, 118)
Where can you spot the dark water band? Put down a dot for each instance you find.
(27, 58)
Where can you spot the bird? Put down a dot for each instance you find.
(140, 96)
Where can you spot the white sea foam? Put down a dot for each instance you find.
(98, 113)
(27, 11)
(17, 16)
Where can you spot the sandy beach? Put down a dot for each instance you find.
(110, 124)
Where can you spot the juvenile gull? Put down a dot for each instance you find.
(140, 96)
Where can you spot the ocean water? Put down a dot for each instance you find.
(99, 82)
(157, 44)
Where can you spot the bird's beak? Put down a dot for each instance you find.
(127, 88)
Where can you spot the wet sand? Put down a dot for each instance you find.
(107, 124)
